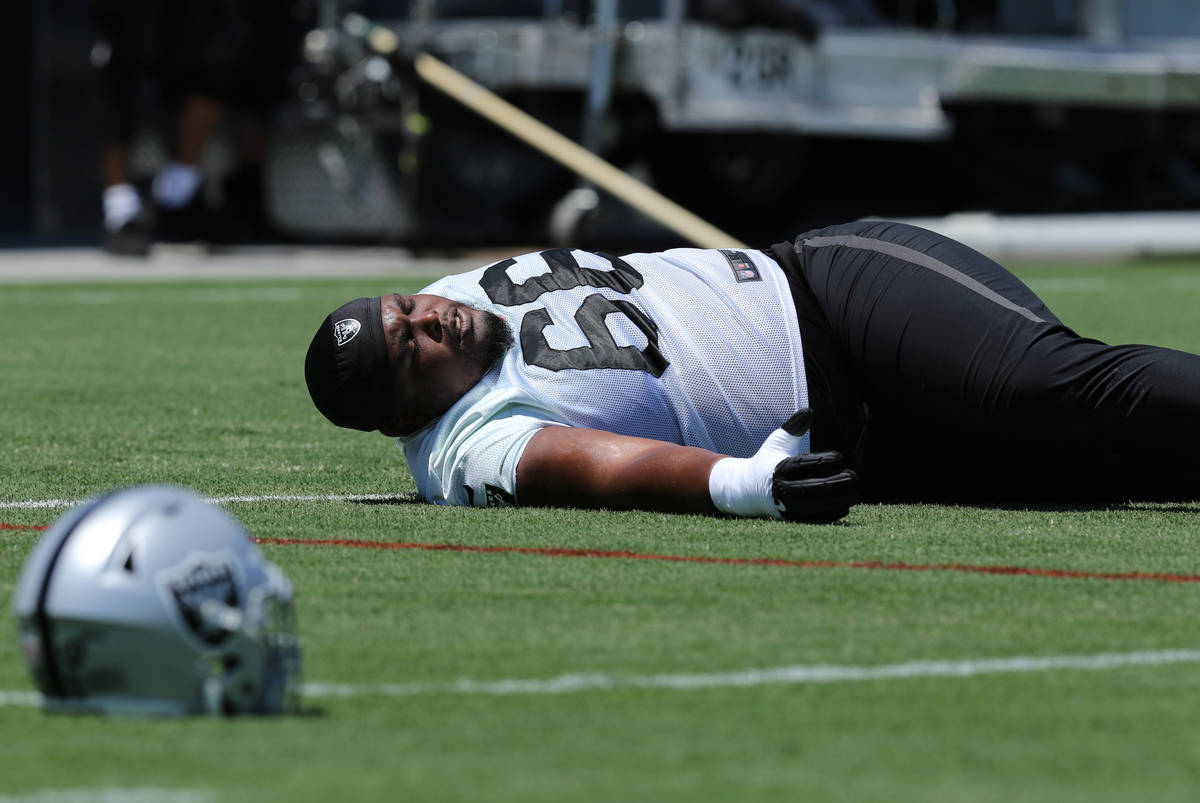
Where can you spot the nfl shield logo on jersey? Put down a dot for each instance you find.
(743, 267)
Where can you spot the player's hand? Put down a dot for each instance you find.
(780, 483)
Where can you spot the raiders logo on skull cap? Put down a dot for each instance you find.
(345, 330)
(346, 367)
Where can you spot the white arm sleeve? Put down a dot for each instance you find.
(472, 465)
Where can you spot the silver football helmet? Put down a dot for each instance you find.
(150, 600)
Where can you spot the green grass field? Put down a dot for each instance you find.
(640, 674)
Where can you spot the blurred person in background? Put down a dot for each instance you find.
(198, 60)
(123, 53)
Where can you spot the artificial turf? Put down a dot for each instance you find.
(199, 384)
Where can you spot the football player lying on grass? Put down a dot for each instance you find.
(671, 381)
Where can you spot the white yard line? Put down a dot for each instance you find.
(817, 673)
(1067, 284)
(783, 675)
(39, 504)
(1185, 282)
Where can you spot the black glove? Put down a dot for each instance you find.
(813, 488)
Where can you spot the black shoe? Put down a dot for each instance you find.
(131, 240)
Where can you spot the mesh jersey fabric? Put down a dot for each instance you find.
(690, 346)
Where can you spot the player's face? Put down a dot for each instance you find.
(438, 349)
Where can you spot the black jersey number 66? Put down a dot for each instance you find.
(565, 273)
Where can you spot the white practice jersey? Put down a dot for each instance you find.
(695, 347)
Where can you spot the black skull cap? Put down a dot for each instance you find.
(347, 369)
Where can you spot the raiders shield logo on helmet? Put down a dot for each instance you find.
(195, 582)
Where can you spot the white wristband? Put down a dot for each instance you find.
(741, 486)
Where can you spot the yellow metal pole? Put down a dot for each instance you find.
(570, 154)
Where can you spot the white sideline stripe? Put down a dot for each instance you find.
(816, 673)
(191, 296)
(114, 795)
(8, 698)
(1079, 284)
(223, 500)
(35, 504)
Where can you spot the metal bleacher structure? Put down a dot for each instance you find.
(760, 115)
(872, 108)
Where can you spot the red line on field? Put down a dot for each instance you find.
(560, 552)
(556, 552)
